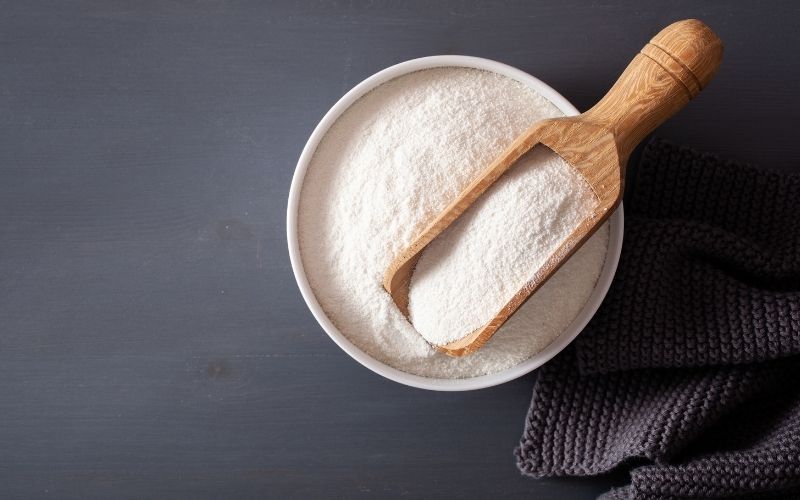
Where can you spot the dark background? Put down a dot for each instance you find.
(153, 342)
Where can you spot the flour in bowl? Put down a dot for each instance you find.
(387, 166)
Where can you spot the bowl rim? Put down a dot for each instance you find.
(394, 374)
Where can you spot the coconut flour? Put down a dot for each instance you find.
(395, 159)
(470, 271)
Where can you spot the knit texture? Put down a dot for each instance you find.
(688, 374)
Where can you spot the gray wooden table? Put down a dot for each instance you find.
(152, 340)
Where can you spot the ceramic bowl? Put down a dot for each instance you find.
(603, 283)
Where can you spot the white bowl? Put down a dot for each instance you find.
(603, 283)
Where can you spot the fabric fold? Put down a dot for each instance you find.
(689, 374)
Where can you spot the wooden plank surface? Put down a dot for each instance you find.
(152, 341)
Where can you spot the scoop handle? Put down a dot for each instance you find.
(668, 72)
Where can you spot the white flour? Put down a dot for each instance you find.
(389, 164)
(470, 271)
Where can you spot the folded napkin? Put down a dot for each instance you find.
(688, 376)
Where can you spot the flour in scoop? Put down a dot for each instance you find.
(474, 268)
(389, 164)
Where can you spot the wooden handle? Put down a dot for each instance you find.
(668, 72)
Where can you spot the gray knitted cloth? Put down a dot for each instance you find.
(689, 375)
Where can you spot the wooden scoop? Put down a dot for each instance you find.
(667, 73)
